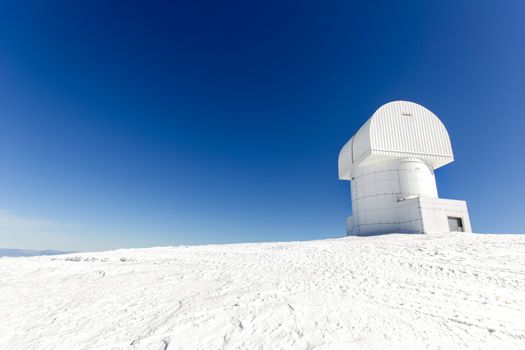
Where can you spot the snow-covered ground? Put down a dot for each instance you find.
(396, 291)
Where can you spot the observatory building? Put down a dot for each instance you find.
(390, 162)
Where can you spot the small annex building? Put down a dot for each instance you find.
(390, 162)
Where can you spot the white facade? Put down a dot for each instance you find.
(390, 162)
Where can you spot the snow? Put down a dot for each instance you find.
(394, 291)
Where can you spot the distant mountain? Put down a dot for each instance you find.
(27, 252)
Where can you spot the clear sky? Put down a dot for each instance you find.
(143, 123)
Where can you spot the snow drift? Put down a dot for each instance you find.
(397, 291)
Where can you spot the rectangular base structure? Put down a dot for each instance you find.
(444, 215)
(419, 215)
(349, 226)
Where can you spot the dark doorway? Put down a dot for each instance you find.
(455, 224)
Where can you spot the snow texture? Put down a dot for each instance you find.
(396, 291)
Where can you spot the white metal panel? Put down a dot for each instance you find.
(398, 129)
(416, 178)
(377, 190)
(405, 128)
(361, 146)
(435, 213)
(349, 226)
(346, 160)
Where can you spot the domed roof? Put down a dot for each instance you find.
(398, 129)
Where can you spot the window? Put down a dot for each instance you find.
(455, 224)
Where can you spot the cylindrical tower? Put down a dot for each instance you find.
(378, 187)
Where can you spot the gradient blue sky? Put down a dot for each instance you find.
(141, 123)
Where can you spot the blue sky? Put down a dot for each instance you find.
(129, 124)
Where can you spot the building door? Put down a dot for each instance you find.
(455, 224)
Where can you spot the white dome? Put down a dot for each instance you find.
(398, 129)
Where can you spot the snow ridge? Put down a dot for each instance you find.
(396, 291)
